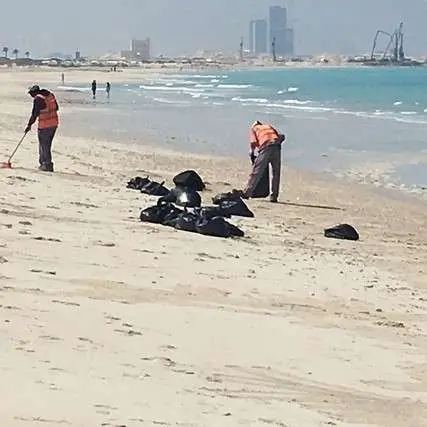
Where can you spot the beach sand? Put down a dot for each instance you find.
(107, 321)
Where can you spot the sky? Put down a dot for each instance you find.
(185, 26)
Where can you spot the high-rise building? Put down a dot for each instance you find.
(279, 31)
(251, 37)
(289, 47)
(258, 36)
(141, 49)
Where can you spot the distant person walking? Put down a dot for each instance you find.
(94, 89)
(45, 109)
(108, 89)
(62, 78)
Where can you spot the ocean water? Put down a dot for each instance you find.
(369, 124)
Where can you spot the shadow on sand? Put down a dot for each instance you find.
(306, 205)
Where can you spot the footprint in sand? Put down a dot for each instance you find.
(86, 205)
(105, 244)
(70, 303)
(36, 270)
(47, 239)
(129, 332)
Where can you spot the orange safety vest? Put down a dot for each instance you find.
(262, 135)
(48, 117)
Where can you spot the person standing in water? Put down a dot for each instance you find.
(62, 78)
(107, 89)
(94, 89)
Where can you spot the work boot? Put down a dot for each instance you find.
(273, 199)
(46, 167)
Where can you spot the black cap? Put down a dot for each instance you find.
(34, 89)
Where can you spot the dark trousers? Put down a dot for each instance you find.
(271, 154)
(45, 146)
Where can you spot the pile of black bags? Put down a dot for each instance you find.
(181, 207)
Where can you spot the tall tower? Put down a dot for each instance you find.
(278, 18)
(251, 37)
(258, 36)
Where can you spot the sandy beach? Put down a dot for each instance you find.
(108, 321)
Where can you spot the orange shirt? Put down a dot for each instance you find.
(261, 135)
(48, 117)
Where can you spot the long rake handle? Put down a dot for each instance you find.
(16, 148)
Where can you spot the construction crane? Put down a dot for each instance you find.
(273, 49)
(395, 40)
(401, 51)
(374, 46)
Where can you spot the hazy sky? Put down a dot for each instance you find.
(184, 26)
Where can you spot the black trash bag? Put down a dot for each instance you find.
(154, 188)
(232, 195)
(217, 227)
(342, 231)
(152, 214)
(137, 183)
(190, 179)
(234, 231)
(210, 212)
(236, 208)
(171, 215)
(160, 213)
(262, 189)
(183, 196)
(187, 222)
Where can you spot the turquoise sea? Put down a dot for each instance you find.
(369, 124)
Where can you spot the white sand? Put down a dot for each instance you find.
(109, 321)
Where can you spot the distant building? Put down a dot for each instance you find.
(78, 55)
(258, 36)
(279, 31)
(140, 49)
(127, 55)
(289, 45)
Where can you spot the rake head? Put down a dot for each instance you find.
(6, 165)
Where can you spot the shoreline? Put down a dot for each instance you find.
(357, 172)
(283, 326)
(73, 102)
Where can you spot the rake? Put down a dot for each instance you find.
(8, 164)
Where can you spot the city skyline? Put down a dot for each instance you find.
(276, 30)
(280, 33)
(334, 26)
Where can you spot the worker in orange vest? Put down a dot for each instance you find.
(265, 139)
(45, 109)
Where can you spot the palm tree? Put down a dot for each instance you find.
(27, 54)
(15, 52)
(5, 51)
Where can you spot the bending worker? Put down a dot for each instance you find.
(45, 108)
(268, 141)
